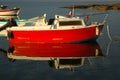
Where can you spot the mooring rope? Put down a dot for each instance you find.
(108, 32)
(107, 26)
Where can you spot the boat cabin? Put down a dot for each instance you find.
(61, 22)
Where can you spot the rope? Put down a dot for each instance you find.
(108, 32)
(105, 22)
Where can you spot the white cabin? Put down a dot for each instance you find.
(61, 22)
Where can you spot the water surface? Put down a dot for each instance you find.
(105, 67)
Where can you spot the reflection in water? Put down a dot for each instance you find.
(117, 39)
(59, 56)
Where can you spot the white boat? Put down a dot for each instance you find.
(36, 21)
(9, 12)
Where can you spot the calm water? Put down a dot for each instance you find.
(92, 65)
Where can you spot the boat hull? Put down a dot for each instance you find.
(11, 12)
(55, 36)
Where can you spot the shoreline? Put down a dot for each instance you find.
(96, 6)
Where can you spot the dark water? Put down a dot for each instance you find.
(104, 65)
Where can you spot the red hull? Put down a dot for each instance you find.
(55, 36)
(55, 50)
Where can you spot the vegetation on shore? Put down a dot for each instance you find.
(97, 6)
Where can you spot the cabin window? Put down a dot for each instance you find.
(65, 23)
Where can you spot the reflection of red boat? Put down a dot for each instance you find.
(59, 56)
(53, 50)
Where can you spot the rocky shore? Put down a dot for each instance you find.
(97, 6)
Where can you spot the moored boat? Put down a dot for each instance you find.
(6, 21)
(61, 29)
(9, 12)
(39, 20)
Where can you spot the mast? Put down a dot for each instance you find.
(72, 10)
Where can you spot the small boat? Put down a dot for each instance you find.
(5, 22)
(39, 20)
(61, 29)
(9, 12)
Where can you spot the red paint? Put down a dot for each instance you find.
(55, 36)
(69, 14)
(56, 50)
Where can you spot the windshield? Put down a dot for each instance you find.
(63, 23)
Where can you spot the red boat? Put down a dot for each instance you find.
(58, 30)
